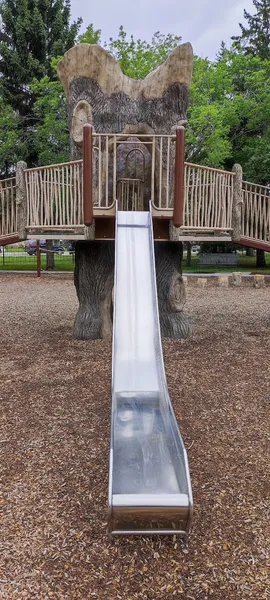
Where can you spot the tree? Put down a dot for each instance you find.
(247, 111)
(12, 147)
(188, 259)
(32, 32)
(260, 259)
(251, 68)
(51, 134)
(255, 39)
(207, 138)
(138, 57)
(90, 36)
(50, 262)
(222, 51)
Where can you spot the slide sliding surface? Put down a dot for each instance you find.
(149, 482)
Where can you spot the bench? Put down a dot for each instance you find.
(207, 259)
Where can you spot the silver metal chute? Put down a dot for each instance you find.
(149, 482)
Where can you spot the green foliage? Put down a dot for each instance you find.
(255, 39)
(32, 32)
(221, 247)
(250, 64)
(137, 57)
(90, 36)
(51, 135)
(221, 52)
(207, 131)
(229, 114)
(12, 147)
(247, 110)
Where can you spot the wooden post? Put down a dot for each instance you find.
(179, 178)
(38, 259)
(223, 281)
(21, 199)
(258, 281)
(201, 282)
(236, 278)
(237, 203)
(87, 174)
(188, 261)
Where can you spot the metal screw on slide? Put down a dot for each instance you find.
(179, 178)
(88, 174)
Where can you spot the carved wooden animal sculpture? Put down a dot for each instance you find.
(99, 93)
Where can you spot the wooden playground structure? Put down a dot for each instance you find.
(76, 200)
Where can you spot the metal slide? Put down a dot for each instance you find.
(149, 482)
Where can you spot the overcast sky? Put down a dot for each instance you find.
(204, 23)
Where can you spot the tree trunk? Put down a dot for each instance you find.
(250, 251)
(93, 278)
(188, 263)
(260, 259)
(50, 264)
(171, 290)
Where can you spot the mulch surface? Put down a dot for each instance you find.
(54, 446)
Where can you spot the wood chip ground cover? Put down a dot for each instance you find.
(54, 443)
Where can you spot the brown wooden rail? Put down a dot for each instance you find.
(88, 174)
(179, 178)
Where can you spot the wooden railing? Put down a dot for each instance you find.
(208, 192)
(133, 171)
(256, 212)
(126, 169)
(8, 208)
(54, 195)
(208, 198)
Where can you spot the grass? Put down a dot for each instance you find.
(65, 262)
(20, 248)
(62, 262)
(246, 264)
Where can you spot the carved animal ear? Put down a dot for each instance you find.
(90, 61)
(177, 69)
(93, 62)
(82, 114)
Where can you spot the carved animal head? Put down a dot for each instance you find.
(99, 93)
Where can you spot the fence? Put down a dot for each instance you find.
(133, 170)
(8, 209)
(15, 258)
(121, 164)
(256, 212)
(208, 198)
(141, 165)
(54, 195)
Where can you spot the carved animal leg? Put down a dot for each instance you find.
(171, 290)
(93, 278)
